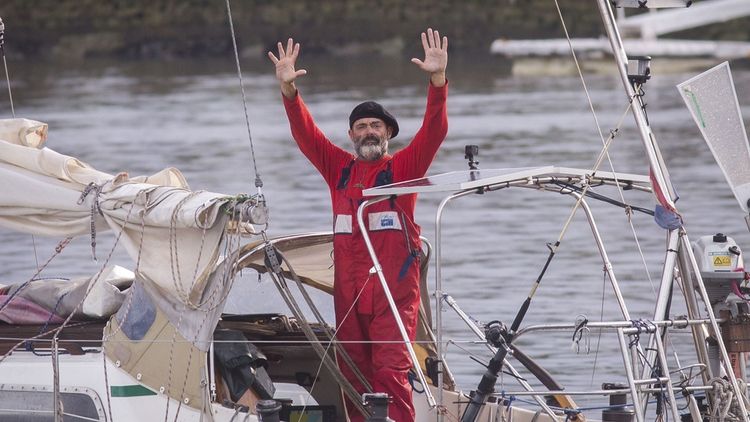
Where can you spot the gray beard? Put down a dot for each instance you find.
(370, 152)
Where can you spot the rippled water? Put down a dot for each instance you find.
(141, 117)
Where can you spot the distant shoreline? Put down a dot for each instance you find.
(139, 29)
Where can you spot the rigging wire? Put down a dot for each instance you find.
(331, 343)
(598, 127)
(258, 181)
(599, 337)
(584, 191)
(5, 65)
(58, 249)
(13, 110)
(638, 96)
(604, 153)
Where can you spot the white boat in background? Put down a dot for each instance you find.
(152, 342)
(641, 34)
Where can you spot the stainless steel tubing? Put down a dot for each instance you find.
(665, 371)
(603, 252)
(700, 333)
(539, 397)
(439, 291)
(625, 350)
(389, 297)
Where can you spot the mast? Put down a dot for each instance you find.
(658, 169)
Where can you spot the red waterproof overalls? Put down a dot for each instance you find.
(363, 318)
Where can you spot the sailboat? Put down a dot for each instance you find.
(152, 342)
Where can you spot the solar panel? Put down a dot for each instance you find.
(457, 181)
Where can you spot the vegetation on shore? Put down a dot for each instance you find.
(78, 29)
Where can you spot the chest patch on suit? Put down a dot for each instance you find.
(343, 224)
(386, 220)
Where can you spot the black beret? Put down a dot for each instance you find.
(373, 109)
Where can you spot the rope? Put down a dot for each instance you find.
(171, 359)
(58, 249)
(599, 337)
(643, 326)
(210, 303)
(469, 354)
(580, 330)
(328, 346)
(90, 287)
(726, 404)
(106, 386)
(211, 306)
(258, 181)
(174, 260)
(30, 345)
(95, 209)
(583, 81)
(129, 302)
(722, 395)
(341, 352)
(36, 255)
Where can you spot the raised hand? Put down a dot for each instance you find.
(435, 56)
(285, 70)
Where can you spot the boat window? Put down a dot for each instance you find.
(38, 406)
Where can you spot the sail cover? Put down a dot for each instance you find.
(173, 233)
(712, 101)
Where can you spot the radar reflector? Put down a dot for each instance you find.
(712, 101)
(652, 4)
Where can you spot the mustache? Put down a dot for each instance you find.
(370, 139)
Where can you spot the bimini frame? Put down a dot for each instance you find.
(569, 182)
(461, 184)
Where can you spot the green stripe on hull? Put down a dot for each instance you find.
(130, 391)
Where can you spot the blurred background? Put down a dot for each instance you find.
(141, 29)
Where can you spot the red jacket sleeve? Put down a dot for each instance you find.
(413, 161)
(328, 158)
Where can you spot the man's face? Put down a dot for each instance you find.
(370, 137)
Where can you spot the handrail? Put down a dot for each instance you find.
(627, 326)
(391, 303)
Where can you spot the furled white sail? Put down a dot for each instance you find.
(173, 233)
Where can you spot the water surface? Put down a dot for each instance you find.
(141, 117)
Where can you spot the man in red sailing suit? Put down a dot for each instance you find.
(364, 320)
